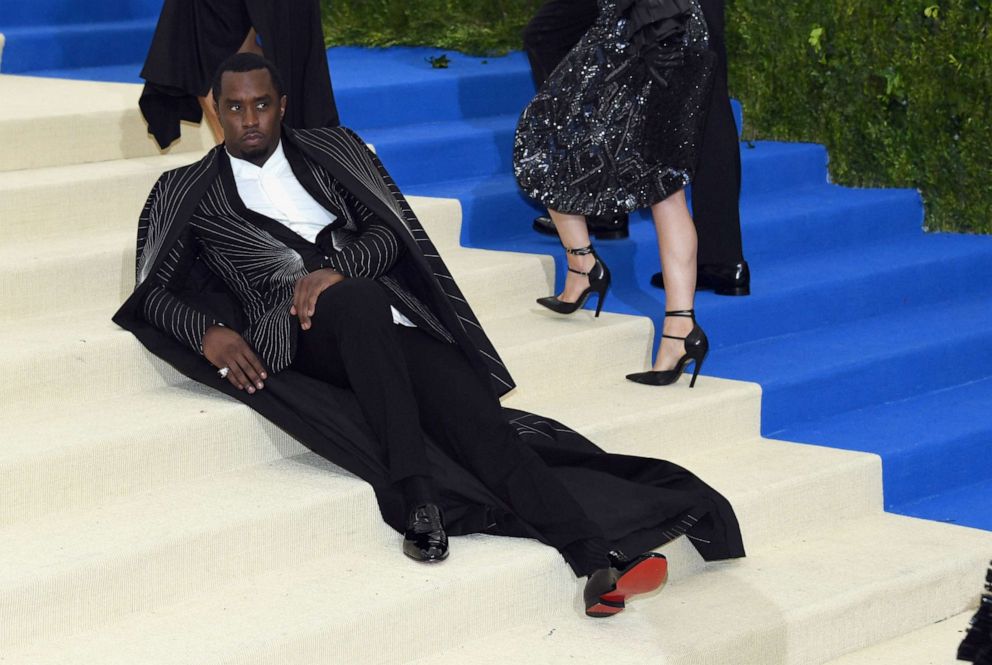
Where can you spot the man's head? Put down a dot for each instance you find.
(248, 97)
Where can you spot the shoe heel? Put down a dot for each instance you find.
(600, 301)
(697, 365)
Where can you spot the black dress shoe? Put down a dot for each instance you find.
(724, 280)
(608, 589)
(425, 539)
(611, 227)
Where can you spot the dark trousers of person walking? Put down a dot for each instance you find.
(558, 26)
(408, 382)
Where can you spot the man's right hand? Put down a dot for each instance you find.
(225, 348)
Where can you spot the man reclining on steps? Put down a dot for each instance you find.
(286, 269)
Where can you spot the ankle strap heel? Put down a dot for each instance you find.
(599, 283)
(697, 346)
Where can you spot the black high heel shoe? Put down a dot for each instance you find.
(696, 348)
(599, 282)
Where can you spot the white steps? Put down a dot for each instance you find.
(149, 520)
(53, 122)
(936, 644)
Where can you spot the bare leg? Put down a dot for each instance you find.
(574, 233)
(249, 45)
(677, 248)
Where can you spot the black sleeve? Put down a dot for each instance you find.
(371, 253)
(165, 310)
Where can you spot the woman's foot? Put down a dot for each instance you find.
(676, 351)
(587, 275)
(575, 283)
(671, 350)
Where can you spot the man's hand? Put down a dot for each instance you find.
(225, 348)
(308, 289)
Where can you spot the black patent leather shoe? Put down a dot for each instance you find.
(612, 227)
(608, 589)
(724, 280)
(425, 539)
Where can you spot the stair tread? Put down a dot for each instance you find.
(918, 422)
(314, 605)
(793, 358)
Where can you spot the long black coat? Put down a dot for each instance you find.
(640, 503)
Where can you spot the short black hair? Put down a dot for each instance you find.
(246, 62)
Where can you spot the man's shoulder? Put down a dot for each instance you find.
(180, 178)
(325, 136)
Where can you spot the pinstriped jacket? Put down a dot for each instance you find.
(205, 258)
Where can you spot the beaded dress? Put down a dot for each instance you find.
(617, 125)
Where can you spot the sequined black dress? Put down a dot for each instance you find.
(617, 125)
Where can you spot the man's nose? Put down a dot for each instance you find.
(250, 118)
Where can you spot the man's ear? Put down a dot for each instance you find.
(282, 107)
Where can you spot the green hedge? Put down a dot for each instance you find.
(900, 91)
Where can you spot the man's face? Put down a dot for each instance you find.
(250, 113)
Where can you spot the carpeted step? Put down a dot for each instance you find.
(159, 437)
(804, 603)
(376, 88)
(88, 44)
(43, 356)
(945, 431)
(59, 12)
(152, 439)
(935, 644)
(649, 421)
(801, 603)
(66, 574)
(812, 219)
(426, 154)
(101, 124)
(83, 200)
(230, 519)
(966, 504)
(817, 373)
(58, 274)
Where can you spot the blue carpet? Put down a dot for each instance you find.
(864, 332)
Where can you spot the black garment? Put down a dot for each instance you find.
(409, 384)
(557, 27)
(193, 37)
(637, 503)
(616, 126)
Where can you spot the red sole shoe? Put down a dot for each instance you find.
(643, 577)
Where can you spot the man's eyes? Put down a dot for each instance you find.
(261, 106)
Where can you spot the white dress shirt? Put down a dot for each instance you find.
(273, 190)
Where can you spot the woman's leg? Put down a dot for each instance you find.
(677, 247)
(574, 234)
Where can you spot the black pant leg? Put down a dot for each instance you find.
(460, 411)
(353, 343)
(557, 26)
(716, 186)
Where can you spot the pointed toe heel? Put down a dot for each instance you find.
(697, 346)
(599, 283)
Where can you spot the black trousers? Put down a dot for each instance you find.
(409, 383)
(558, 26)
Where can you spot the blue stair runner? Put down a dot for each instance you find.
(864, 332)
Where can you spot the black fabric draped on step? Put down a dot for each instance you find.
(640, 503)
(194, 37)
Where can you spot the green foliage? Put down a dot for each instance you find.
(480, 27)
(900, 91)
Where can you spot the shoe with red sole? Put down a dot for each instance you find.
(608, 589)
